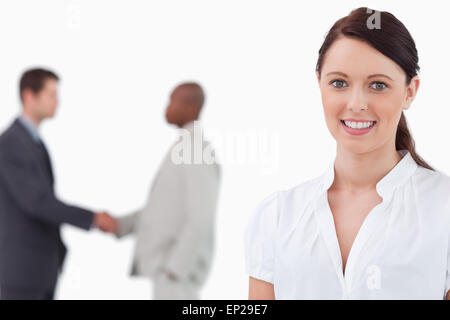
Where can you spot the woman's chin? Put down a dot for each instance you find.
(356, 147)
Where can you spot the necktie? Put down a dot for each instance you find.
(46, 158)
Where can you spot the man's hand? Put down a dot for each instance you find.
(105, 222)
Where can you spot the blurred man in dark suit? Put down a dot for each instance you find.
(31, 250)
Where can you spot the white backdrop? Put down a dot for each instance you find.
(119, 61)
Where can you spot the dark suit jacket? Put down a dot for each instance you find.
(31, 250)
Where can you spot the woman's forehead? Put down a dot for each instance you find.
(357, 58)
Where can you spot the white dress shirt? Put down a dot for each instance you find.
(400, 252)
(31, 127)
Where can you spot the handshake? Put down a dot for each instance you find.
(105, 222)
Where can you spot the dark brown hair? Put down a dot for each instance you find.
(391, 39)
(34, 79)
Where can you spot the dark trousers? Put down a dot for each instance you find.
(19, 293)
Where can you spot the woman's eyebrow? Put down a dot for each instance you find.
(379, 75)
(338, 73)
(371, 76)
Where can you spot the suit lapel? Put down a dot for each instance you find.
(40, 154)
(47, 160)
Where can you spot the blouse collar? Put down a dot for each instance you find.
(386, 186)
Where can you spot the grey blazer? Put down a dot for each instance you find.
(175, 229)
(31, 250)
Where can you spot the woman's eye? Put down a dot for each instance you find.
(338, 83)
(379, 86)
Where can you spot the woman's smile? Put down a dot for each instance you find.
(357, 127)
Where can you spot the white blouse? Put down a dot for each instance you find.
(402, 250)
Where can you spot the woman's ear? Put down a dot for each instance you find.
(411, 91)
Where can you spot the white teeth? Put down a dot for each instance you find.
(359, 124)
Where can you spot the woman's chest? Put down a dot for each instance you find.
(349, 211)
(395, 254)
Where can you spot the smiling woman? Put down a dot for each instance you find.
(391, 52)
(375, 225)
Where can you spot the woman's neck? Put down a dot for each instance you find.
(361, 172)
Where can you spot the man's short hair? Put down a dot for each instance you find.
(34, 79)
(195, 96)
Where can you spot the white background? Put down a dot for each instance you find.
(119, 60)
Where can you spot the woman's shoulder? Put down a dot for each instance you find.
(432, 180)
(302, 192)
(432, 189)
(286, 204)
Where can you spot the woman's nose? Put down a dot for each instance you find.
(357, 101)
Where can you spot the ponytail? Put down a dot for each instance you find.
(404, 141)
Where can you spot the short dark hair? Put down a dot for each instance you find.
(196, 95)
(34, 79)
